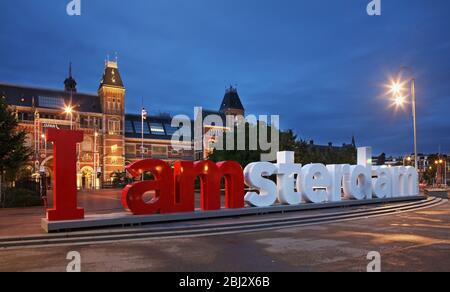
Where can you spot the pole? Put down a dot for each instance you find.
(95, 160)
(143, 117)
(445, 173)
(1, 186)
(414, 109)
(142, 138)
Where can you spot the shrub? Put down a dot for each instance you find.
(15, 198)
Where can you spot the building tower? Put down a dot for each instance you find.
(112, 96)
(231, 104)
(70, 85)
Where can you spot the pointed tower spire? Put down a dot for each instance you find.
(231, 103)
(70, 85)
(111, 75)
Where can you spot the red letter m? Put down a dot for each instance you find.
(210, 175)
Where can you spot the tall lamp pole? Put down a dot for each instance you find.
(143, 118)
(397, 89)
(95, 159)
(414, 110)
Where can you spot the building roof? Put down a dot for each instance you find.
(111, 76)
(231, 100)
(155, 127)
(19, 95)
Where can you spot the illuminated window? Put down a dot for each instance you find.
(157, 129)
(114, 127)
(114, 148)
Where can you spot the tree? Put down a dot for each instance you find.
(243, 157)
(14, 154)
(305, 153)
(382, 159)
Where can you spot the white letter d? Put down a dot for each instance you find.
(374, 8)
(74, 8)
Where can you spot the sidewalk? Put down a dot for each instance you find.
(27, 221)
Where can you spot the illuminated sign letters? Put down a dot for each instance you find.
(284, 182)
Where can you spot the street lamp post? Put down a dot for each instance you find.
(441, 173)
(414, 111)
(143, 118)
(397, 88)
(95, 160)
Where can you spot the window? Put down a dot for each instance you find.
(143, 150)
(130, 149)
(114, 127)
(115, 160)
(178, 152)
(159, 151)
(129, 127)
(138, 127)
(114, 148)
(157, 129)
(51, 102)
(29, 140)
(25, 117)
(170, 130)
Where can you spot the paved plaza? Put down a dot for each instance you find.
(411, 241)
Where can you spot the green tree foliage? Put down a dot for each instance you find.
(14, 154)
(430, 174)
(243, 157)
(305, 153)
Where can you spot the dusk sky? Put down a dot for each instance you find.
(319, 64)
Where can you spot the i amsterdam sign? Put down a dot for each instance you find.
(174, 189)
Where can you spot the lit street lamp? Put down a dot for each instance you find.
(68, 110)
(441, 166)
(45, 144)
(397, 90)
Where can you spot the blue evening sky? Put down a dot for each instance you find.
(319, 64)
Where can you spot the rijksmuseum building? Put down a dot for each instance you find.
(112, 138)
